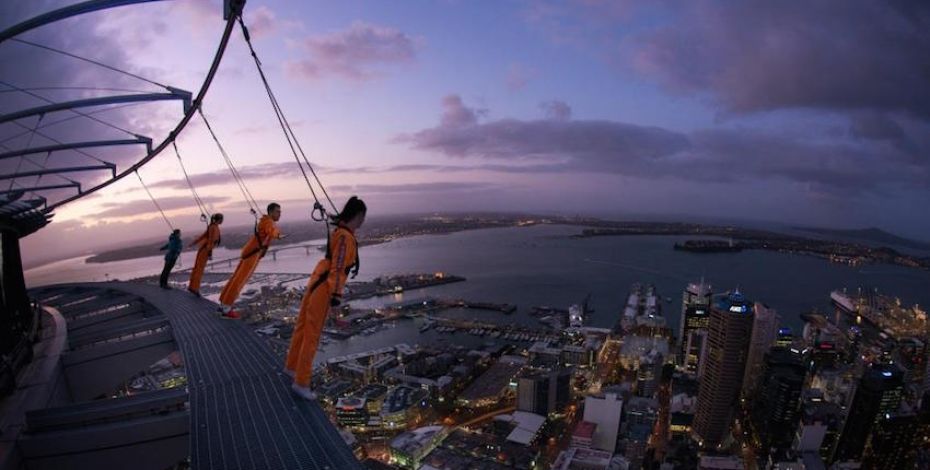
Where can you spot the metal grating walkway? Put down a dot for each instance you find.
(243, 414)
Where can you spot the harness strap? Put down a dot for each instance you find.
(261, 248)
(319, 281)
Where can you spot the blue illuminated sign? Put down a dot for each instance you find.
(738, 308)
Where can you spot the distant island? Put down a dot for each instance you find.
(870, 235)
(376, 230)
(739, 239)
(734, 239)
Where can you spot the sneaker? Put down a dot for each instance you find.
(231, 315)
(290, 373)
(303, 392)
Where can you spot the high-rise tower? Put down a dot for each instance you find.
(695, 316)
(877, 397)
(729, 331)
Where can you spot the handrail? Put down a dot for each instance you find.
(188, 114)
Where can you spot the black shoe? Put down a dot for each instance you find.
(165, 287)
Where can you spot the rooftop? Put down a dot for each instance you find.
(412, 441)
(527, 426)
(585, 430)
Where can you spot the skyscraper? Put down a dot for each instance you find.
(729, 331)
(893, 443)
(606, 413)
(878, 395)
(695, 317)
(776, 409)
(544, 392)
(764, 334)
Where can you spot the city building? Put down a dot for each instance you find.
(402, 405)
(572, 355)
(367, 366)
(784, 337)
(605, 413)
(331, 391)
(526, 426)
(893, 443)
(819, 429)
(776, 409)
(468, 450)
(635, 348)
(544, 392)
(583, 436)
(649, 374)
(409, 449)
(720, 463)
(575, 458)
(639, 419)
(695, 318)
(764, 334)
(575, 316)
(493, 384)
(351, 412)
(729, 331)
(374, 395)
(878, 395)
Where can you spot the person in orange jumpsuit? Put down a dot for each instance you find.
(324, 291)
(205, 244)
(265, 231)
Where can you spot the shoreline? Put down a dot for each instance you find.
(832, 250)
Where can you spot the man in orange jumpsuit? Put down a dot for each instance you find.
(324, 291)
(205, 243)
(252, 253)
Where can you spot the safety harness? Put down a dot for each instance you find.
(262, 248)
(353, 269)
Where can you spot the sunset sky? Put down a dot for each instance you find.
(798, 112)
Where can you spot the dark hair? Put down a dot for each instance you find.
(216, 218)
(273, 206)
(176, 231)
(354, 206)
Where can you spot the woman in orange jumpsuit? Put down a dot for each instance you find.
(324, 290)
(252, 253)
(205, 243)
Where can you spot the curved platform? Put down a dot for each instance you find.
(242, 412)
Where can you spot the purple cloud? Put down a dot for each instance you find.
(261, 21)
(145, 207)
(841, 165)
(413, 187)
(222, 177)
(518, 76)
(460, 135)
(356, 53)
(456, 114)
(557, 110)
(759, 56)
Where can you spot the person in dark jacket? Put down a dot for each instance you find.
(174, 247)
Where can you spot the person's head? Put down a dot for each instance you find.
(274, 211)
(176, 233)
(353, 213)
(216, 219)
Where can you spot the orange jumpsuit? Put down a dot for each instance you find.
(252, 252)
(209, 239)
(326, 283)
